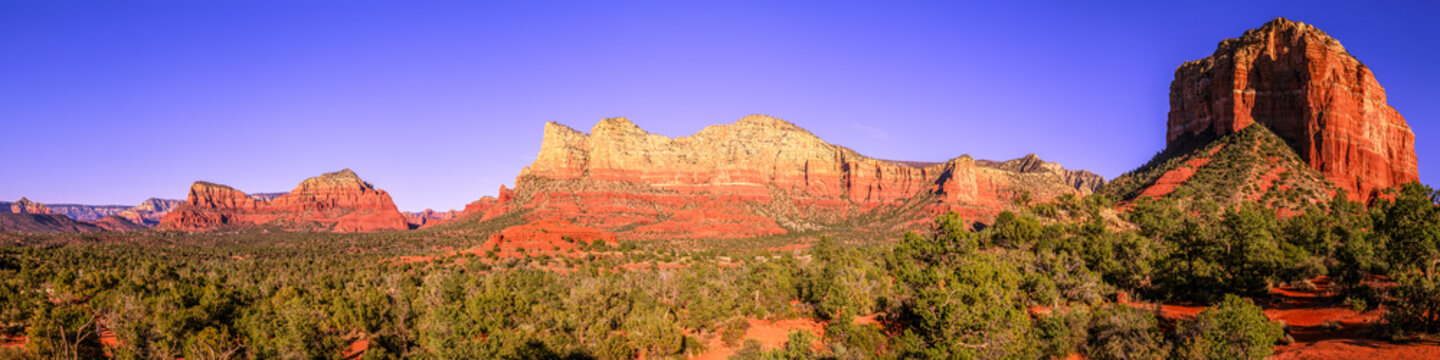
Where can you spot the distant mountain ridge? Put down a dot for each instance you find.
(87, 212)
(42, 223)
(108, 217)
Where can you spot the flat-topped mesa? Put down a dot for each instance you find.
(25, 206)
(1301, 84)
(735, 159)
(211, 206)
(337, 201)
(757, 176)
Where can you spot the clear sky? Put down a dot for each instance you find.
(112, 102)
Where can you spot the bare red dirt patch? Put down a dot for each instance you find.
(773, 335)
(552, 235)
(12, 342)
(355, 350)
(1321, 325)
(1171, 179)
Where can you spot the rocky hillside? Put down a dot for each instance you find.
(1301, 84)
(42, 223)
(338, 201)
(1253, 164)
(117, 223)
(757, 176)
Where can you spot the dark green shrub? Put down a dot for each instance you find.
(1413, 307)
(733, 332)
(1124, 332)
(1234, 328)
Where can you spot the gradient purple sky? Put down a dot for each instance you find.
(106, 102)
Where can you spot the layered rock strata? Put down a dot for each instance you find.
(1305, 87)
(429, 217)
(338, 201)
(25, 206)
(758, 176)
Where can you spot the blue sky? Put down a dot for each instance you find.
(439, 103)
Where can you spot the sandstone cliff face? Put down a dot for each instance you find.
(741, 159)
(757, 176)
(1302, 85)
(25, 206)
(337, 201)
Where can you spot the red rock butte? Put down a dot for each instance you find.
(25, 206)
(758, 176)
(1301, 84)
(337, 201)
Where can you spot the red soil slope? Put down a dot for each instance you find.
(548, 236)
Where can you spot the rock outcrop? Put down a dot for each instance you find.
(429, 217)
(758, 176)
(337, 201)
(25, 206)
(1305, 87)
